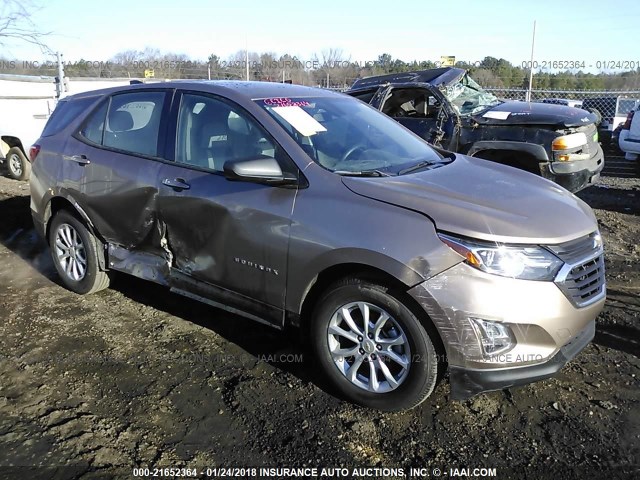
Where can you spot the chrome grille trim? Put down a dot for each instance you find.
(582, 278)
(574, 251)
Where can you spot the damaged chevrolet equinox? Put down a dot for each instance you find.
(301, 207)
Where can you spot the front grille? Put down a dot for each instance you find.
(590, 131)
(582, 278)
(585, 281)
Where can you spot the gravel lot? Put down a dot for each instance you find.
(134, 376)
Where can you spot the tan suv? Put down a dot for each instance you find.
(297, 206)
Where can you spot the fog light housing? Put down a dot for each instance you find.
(495, 337)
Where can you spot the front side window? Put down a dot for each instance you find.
(349, 137)
(412, 103)
(132, 123)
(211, 132)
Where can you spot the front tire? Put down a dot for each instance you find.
(18, 166)
(371, 346)
(75, 255)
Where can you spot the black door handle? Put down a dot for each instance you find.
(176, 183)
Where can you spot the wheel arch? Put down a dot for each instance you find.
(62, 202)
(526, 158)
(10, 141)
(334, 273)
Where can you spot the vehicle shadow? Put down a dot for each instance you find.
(18, 235)
(619, 337)
(285, 349)
(622, 335)
(612, 199)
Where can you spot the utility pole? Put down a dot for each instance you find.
(60, 82)
(209, 71)
(246, 56)
(533, 42)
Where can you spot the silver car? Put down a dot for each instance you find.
(297, 206)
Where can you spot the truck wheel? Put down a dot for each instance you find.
(75, 256)
(371, 346)
(17, 164)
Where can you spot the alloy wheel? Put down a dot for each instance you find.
(369, 347)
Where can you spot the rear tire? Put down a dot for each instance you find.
(74, 250)
(395, 362)
(18, 166)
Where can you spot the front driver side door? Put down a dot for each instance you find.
(228, 239)
(418, 109)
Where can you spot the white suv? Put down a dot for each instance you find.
(629, 139)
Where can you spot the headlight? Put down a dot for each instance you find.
(523, 262)
(568, 142)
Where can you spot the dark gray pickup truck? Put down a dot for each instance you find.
(446, 107)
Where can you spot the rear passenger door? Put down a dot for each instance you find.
(112, 162)
(232, 235)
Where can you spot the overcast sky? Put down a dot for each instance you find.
(584, 30)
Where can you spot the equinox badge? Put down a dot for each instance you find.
(255, 265)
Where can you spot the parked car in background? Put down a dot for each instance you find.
(612, 112)
(298, 206)
(16, 138)
(25, 103)
(446, 107)
(629, 139)
(567, 102)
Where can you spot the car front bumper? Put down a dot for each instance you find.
(467, 382)
(575, 175)
(547, 327)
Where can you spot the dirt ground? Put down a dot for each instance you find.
(91, 387)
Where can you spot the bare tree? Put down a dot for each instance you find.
(16, 24)
(334, 69)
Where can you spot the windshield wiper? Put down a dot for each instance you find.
(417, 166)
(362, 173)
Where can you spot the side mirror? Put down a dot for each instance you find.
(265, 170)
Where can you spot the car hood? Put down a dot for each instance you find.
(484, 200)
(531, 113)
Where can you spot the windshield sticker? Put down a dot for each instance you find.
(285, 102)
(300, 120)
(497, 115)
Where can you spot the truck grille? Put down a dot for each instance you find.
(590, 131)
(582, 278)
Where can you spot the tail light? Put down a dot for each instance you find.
(627, 123)
(33, 152)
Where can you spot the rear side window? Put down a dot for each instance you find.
(129, 122)
(94, 127)
(66, 112)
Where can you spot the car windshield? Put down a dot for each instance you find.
(348, 137)
(467, 97)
